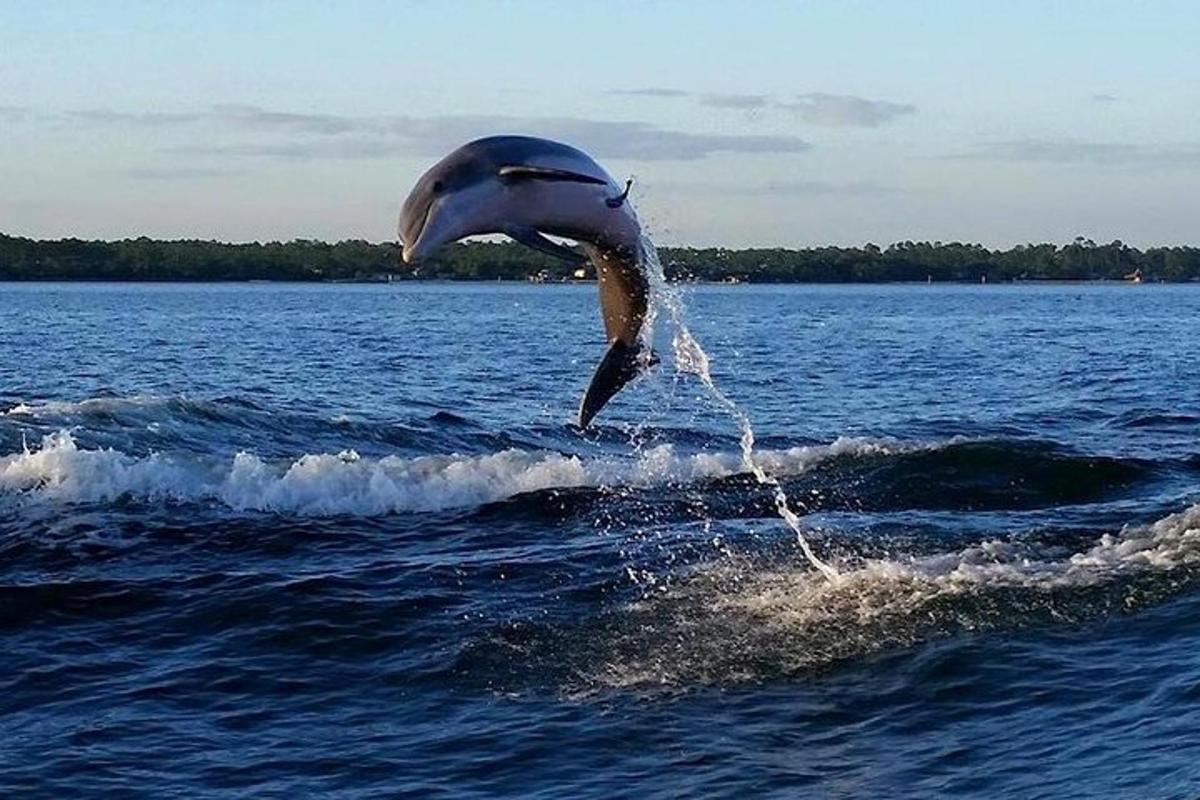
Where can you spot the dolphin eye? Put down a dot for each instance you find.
(437, 187)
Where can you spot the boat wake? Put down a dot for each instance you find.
(714, 598)
(741, 619)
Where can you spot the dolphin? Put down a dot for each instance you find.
(525, 188)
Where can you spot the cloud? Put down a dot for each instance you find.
(1104, 98)
(843, 110)
(178, 173)
(797, 188)
(147, 119)
(633, 140)
(311, 150)
(1080, 152)
(407, 136)
(234, 115)
(738, 101)
(818, 108)
(254, 117)
(312, 136)
(13, 113)
(809, 188)
(650, 91)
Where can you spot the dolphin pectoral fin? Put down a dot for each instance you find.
(621, 364)
(531, 238)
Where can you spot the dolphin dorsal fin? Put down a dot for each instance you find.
(615, 202)
(529, 172)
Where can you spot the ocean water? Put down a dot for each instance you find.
(343, 541)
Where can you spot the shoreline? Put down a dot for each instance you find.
(357, 261)
(577, 282)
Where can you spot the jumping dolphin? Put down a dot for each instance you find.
(525, 187)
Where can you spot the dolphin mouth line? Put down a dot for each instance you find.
(410, 246)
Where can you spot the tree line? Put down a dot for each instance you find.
(144, 259)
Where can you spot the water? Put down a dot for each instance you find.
(342, 541)
(690, 358)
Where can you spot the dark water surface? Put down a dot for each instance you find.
(298, 541)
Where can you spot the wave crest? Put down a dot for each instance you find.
(346, 483)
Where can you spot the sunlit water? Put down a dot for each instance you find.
(343, 541)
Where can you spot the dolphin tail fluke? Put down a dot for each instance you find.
(621, 364)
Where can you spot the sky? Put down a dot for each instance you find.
(754, 123)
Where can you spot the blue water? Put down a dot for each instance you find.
(309, 541)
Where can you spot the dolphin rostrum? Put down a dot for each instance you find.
(525, 188)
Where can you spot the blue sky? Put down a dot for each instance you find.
(751, 123)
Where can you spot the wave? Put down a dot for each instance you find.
(734, 620)
(113, 406)
(346, 483)
(1156, 420)
(164, 422)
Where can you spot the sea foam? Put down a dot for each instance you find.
(877, 588)
(733, 620)
(325, 484)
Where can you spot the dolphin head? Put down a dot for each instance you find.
(456, 198)
(517, 185)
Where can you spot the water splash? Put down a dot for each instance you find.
(691, 358)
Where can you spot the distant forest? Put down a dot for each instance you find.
(354, 260)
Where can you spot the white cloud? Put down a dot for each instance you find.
(301, 136)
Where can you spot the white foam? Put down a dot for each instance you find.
(345, 483)
(732, 620)
(879, 589)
